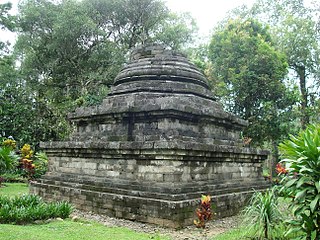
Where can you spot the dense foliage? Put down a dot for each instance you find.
(261, 61)
(293, 24)
(29, 208)
(27, 165)
(69, 53)
(262, 215)
(301, 182)
(249, 74)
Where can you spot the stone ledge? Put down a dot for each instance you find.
(174, 214)
(192, 148)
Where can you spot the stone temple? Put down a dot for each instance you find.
(156, 143)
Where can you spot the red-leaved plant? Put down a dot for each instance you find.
(281, 169)
(203, 212)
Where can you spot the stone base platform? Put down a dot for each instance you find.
(158, 183)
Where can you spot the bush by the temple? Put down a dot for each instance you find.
(262, 214)
(33, 165)
(41, 164)
(203, 212)
(301, 183)
(29, 208)
(29, 165)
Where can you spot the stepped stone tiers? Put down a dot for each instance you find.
(157, 142)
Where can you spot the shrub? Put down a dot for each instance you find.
(8, 159)
(41, 164)
(301, 155)
(10, 143)
(26, 152)
(203, 212)
(262, 214)
(33, 165)
(29, 165)
(29, 208)
(12, 177)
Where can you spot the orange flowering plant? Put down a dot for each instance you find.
(33, 165)
(280, 169)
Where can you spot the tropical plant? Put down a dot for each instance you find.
(301, 155)
(12, 176)
(28, 208)
(203, 212)
(262, 214)
(26, 151)
(41, 164)
(8, 159)
(10, 143)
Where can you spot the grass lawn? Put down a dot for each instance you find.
(67, 229)
(14, 189)
(237, 233)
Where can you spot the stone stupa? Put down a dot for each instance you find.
(157, 142)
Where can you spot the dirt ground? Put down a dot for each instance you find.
(212, 229)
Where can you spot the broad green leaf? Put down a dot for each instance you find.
(291, 182)
(302, 180)
(301, 195)
(317, 184)
(314, 203)
(297, 210)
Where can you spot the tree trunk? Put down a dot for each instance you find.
(301, 70)
(274, 159)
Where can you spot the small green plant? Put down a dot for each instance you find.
(41, 164)
(262, 214)
(29, 208)
(8, 159)
(203, 212)
(12, 177)
(301, 183)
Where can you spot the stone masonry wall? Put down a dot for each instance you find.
(150, 183)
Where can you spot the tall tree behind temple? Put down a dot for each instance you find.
(70, 51)
(74, 49)
(250, 72)
(293, 27)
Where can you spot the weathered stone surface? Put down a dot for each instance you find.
(155, 144)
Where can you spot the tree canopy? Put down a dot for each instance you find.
(250, 73)
(259, 61)
(293, 27)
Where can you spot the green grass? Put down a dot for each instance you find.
(14, 189)
(236, 233)
(69, 230)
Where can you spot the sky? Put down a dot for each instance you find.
(206, 12)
